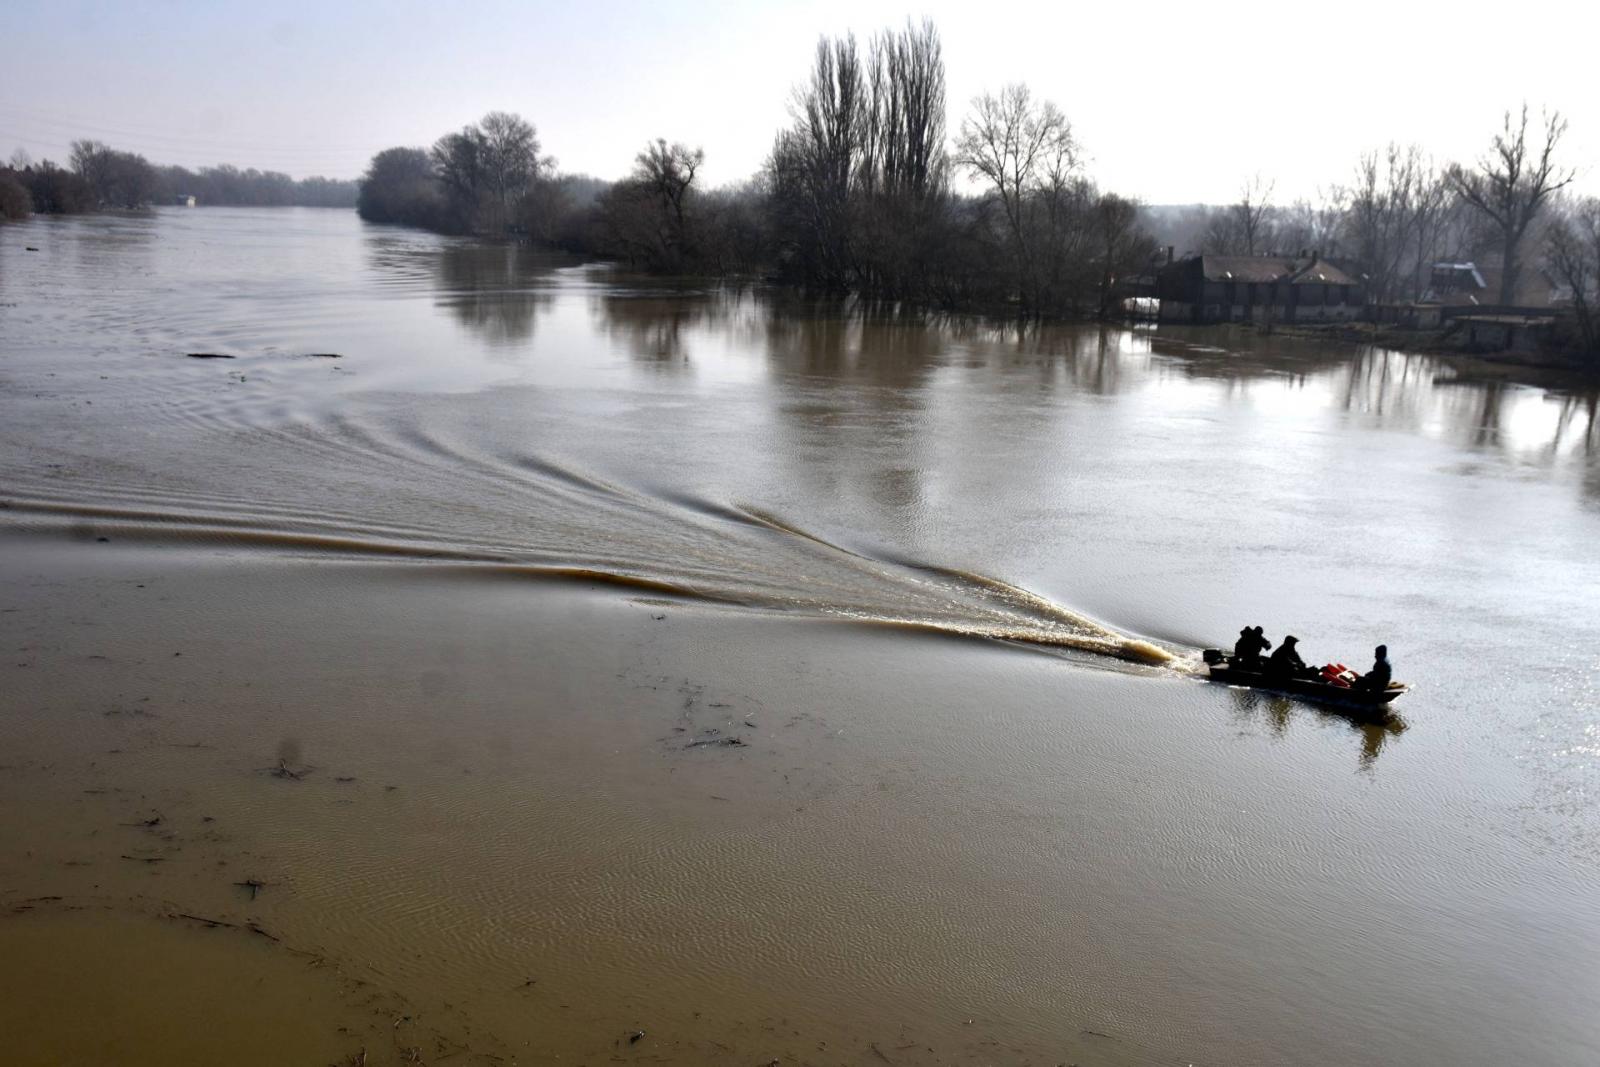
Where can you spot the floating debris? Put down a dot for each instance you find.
(723, 742)
(283, 770)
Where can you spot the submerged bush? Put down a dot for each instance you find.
(15, 200)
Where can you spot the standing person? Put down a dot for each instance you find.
(1378, 678)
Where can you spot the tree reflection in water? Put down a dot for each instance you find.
(838, 358)
(656, 328)
(496, 291)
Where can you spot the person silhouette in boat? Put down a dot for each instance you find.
(1286, 662)
(1378, 678)
(1247, 650)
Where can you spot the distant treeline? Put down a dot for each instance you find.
(860, 193)
(98, 176)
(856, 194)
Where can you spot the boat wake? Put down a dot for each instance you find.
(393, 489)
(883, 593)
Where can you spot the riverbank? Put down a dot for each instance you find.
(1544, 367)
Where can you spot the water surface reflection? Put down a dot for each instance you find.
(802, 490)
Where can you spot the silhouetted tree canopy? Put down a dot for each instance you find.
(401, 185)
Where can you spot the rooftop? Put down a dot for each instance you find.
(1297, 270)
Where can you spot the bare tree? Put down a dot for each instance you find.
(488, 168)
(20, 159)
(1382, 216)
(1308, 224)
(1252, 213)
(1021, 149)
(511, 162)
(1511, 184)
(1124, 245)
(822, 154)
(460, 160)
(903, 138)
(1244, 227)
(899, 201)
(1572, 254)
(667, 173)
(117, 179)
(1432, 209)
(93, 163)
(1221, 235)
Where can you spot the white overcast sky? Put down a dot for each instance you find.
(1174, 102)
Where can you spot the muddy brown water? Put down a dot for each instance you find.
(421, 639)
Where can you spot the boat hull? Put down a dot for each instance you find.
(1358, 703)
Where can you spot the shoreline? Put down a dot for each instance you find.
(1553, 370)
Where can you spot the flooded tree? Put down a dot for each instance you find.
(401, 186)
(91, 161)
(15, 200)
(649, 216)
(1025, 153)
(227, 185)
(486, 170)
(460, 163)
(1572, 256)
(813, 163)
(1124, 248)
(901, 206)
(56, 190)
(116, 179)
(1512, 184)
(857, 195)
(904, 150)
(667, 173)
(512, 161)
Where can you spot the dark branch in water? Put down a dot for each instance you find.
(706, 742)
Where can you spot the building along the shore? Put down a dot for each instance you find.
(1306, 288)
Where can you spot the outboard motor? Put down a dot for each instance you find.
(1212, 656)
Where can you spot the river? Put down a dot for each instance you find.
(483, 539)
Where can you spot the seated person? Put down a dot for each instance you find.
(1247, 650)
(1286, 662)
(1378, 678)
